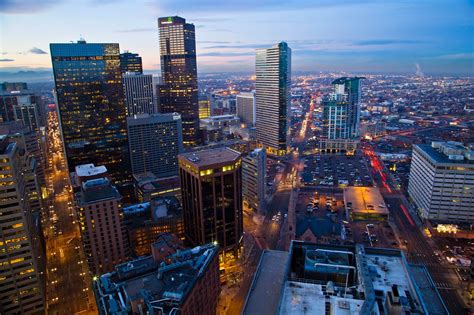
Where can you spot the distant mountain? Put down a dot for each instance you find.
(27, 76)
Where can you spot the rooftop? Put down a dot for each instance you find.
(267, 283)
(365, 200)
(211, 157)
(97, 189)
(447, 153)
(143, 281)
(90, 170)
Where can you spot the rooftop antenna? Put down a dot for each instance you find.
(81, 40)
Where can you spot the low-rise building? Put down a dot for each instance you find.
(365, 203)
(148, 186)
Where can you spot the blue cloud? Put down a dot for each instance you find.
(37, 51)
(6, 60)
(25, 6)
(378, 42)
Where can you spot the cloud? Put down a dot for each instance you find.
(456, 56)
(247, 5)
(242, 46)
(26, 6)
(226, 54)
(3, 53)
(138, 30)
(212, 42)
(377, 42)
(6, 60)
(37, 51)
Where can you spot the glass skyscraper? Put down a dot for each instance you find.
(130, 62)
(341, 116)
(179, 91)
(273, 97)
(91, 107)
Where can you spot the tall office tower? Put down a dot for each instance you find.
(21, 105)
(130, 62)
(253, 180)
(21, 261)
(273, 97)
(179, 91)
(92, 113)
(138, 90)
(155, 142)
(211, 191)
(341, 117)
(99, 208)
(245, 107)
(442, 182)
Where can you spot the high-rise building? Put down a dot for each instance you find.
(91, 107)
(273, 97)
(21, 260)
(179, 91)
(211, 191)
(441, 182)
(341, 117)
(253, 180)
(130, 62)
(245, 106)
(138, 91)
(21, 105)
(13, 86)
(185, 282)
(99, 207)
(204, 108)
(155, 142)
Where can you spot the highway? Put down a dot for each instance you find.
(68, 282)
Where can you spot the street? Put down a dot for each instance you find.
(68, 282)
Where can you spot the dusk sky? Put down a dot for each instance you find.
(382, 36)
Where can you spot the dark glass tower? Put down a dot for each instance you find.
(130, 62)
(91, 107)
(179, 91)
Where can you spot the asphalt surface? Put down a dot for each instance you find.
(68, 286)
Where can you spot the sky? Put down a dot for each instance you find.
(432, 36)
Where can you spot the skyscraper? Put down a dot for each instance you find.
(155, 142)
(21, 267)
(245, 106)
(341, 116)
(91, 106)
(99, 208)
(138, 90)
(20, 104)
(273, 97)
(179, 91)
(130, 62)
(211, 191)
(253, 179)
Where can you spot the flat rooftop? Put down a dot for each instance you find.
(365, 200)
(90, 170)
(210, 157)
(440, 157)
(267, 284)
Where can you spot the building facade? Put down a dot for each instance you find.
(211, 191)
(245, 107)
(138, 91)
(441, 182)
(341, 117)
(155, 142)
(21, 259)
(99, 208)
(23, 105)
(130, 62)
(273, 97)
(91, 107)
(253, 180)
(179, 91)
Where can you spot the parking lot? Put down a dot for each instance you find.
(376, 234)
(336, 171)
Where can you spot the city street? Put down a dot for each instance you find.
(68, 282)
(418, 249)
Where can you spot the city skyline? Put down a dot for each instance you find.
(325, 36)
